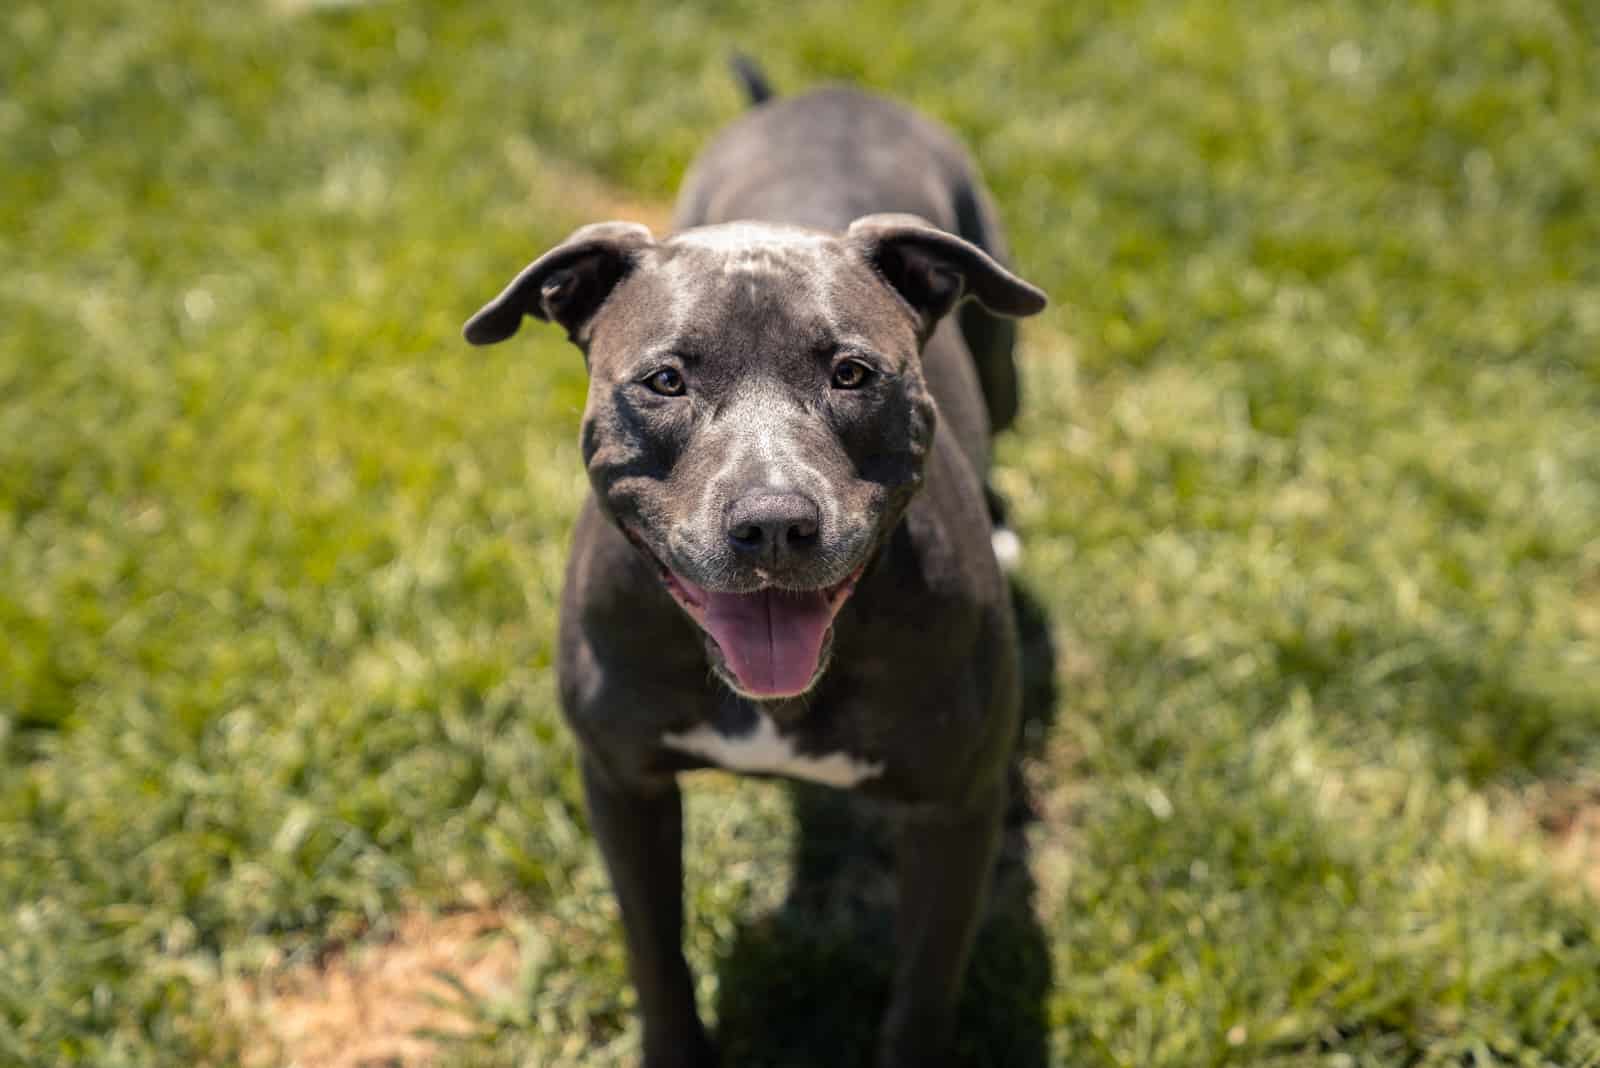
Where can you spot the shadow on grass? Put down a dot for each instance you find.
(1487, 714)
(1491, 714)
(806, 985)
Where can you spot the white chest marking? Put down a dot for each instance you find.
(765, 750)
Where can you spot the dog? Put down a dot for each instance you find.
(787, 563)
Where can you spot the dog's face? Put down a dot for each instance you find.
(757, 418)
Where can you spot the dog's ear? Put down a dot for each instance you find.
(934, 271)
(566, 285)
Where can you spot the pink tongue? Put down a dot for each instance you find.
(771, 639)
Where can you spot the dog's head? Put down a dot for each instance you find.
(757, 418)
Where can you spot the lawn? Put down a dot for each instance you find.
(1309, 480)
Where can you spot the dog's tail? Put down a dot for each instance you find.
(751, 79)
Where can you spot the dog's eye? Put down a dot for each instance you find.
(668, 382)
(850, 374)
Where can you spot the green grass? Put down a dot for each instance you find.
(1309, 478)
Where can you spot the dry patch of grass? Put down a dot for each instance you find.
(302, 7)
(378, 1005)
(581, 192)
(1570, 816)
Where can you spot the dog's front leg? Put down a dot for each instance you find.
(640, 832)
(944, 860)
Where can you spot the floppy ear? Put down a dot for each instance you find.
(934, 270)
(566, 285)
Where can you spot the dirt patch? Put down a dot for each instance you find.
(1570, 818)
(301, 7)
(584, 195)
(373, 1005)
(597, 201)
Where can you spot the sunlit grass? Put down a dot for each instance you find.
(1309, 480)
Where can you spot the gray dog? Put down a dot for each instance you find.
(786, 566)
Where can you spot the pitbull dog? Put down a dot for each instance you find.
(785, 566)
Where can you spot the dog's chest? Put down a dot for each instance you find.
(761, 748)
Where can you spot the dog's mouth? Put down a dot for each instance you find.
(773, 641)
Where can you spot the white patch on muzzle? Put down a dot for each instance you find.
(764, 443)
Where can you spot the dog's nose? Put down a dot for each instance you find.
(772, 526)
